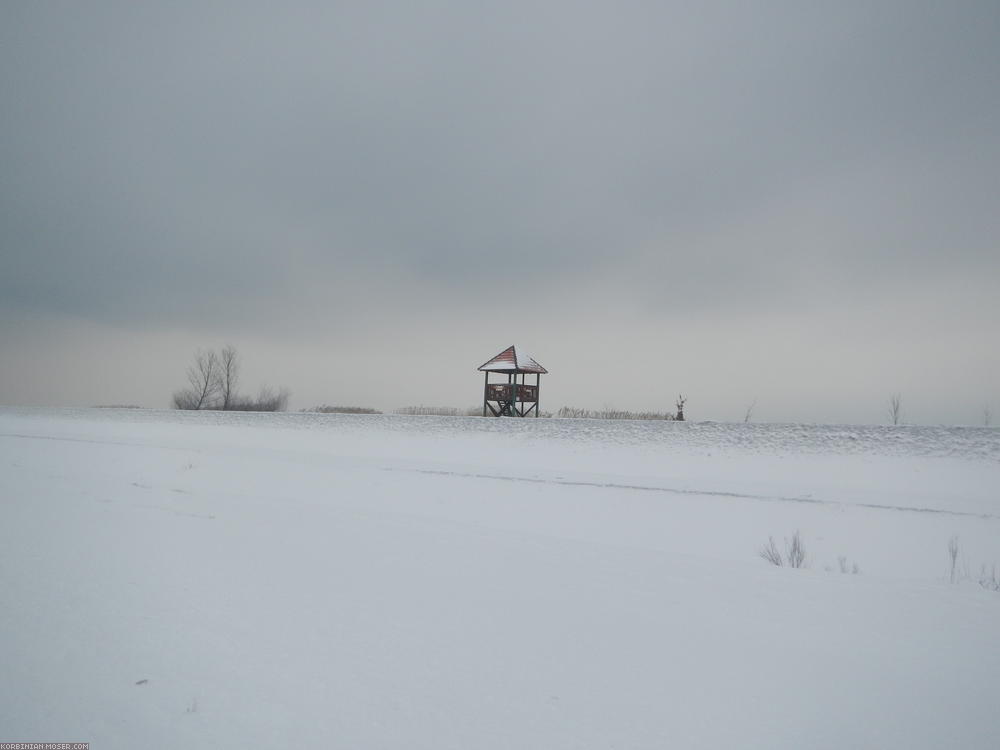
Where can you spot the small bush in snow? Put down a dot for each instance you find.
(267, 400)
(953, 554)
(795, 552)
(845, 568)
(770, 552)
(989, 580)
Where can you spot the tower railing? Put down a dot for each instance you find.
(505, 392)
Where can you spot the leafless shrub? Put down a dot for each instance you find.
(845, 568)
(895, 408)
(795, 552)
(184, 400)
(953, 554)
(770, 552)
(749, 412)
(267, 400)
(989, 579)
(270, 400)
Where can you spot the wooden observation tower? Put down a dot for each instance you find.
(511, 398)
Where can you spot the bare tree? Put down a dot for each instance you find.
(746, 417)
(214, 379)
(680, 408)
(203, 377)
(228, 376)
(895, 408)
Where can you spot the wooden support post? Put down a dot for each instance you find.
(538, 391)
(486, 390)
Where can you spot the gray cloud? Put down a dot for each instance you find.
(323, 167)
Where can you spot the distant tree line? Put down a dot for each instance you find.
(325, 409)
(213, 383)
(571, 412)
(437, 411)
(566, 412)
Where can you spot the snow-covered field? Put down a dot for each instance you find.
(208, 580)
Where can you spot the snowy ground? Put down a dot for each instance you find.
(213, 581)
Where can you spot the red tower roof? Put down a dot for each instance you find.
(511, 360)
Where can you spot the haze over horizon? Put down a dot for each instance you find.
(789, 205)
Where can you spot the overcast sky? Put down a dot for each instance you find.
(790, 202)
